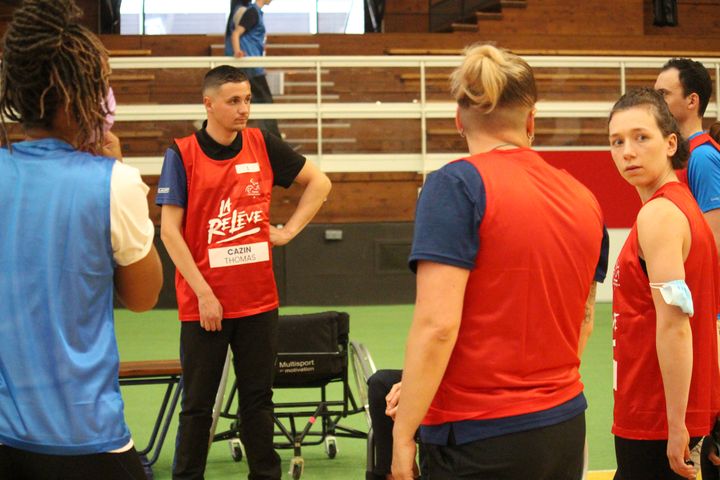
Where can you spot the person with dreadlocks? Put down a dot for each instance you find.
(75, 227)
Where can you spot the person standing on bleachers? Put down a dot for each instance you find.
(245, 36)
(74, 227)
(215, 190)
(507, 251)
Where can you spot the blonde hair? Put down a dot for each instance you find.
(492, 78)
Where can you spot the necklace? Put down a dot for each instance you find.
(504, 145)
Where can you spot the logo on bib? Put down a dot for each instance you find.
(616, 276)
(253, 190)
(233, 224)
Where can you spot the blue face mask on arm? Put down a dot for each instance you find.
(676, 292)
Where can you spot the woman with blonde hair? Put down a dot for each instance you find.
(507, 250)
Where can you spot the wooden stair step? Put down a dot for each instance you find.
(276, 46)
(495, 16)
(313, 125)
(124, 134)
(513, 4)
(326, 141)
(595, 77)
(217, 50)
(538, 131)
(464, 27)
(132, 77)
(140, 52)
(425, 51)
(554, 77)
(429, 77)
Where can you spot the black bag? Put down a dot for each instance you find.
(312, 349)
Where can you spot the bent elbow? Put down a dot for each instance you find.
(144, 305)
(325, 185)
(143, 301)
(441, 332)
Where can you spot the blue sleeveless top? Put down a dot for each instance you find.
(59, 390)
(252, 42)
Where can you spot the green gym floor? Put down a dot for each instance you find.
(154, 336)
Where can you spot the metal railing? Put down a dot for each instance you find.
(420, 108)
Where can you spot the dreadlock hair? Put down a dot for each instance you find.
(51, 63)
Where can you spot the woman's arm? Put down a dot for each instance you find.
(237, 32)
(432, 336)
(588, 324)
(235, 39)
(664, 237)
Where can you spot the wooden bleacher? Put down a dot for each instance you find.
(128, 52)
(155, 372)
(173, 86)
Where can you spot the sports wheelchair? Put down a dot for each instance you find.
(314, 352)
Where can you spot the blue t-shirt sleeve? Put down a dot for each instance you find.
(704, 177)
(602, 266)
(448, 216)
(172, 185)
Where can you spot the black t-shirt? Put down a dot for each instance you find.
(249, 19)
(286, 163)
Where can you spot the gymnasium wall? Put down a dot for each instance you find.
(613, 18)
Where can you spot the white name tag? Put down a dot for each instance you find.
(247, 167)
(239, 255)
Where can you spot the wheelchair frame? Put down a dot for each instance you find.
(325, 413)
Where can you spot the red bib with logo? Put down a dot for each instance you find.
(639, 412)
(227, 228)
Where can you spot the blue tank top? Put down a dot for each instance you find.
(252, 42)
(59, 391)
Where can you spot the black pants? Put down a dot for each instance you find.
(18, 464)
(261, 94)
(548, 453)
(379, 384)
(644, 459)
(709, 471)
(253, 341)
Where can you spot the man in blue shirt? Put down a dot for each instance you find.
(687, 87)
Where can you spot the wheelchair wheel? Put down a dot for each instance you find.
(236, 449)
(331, 447)
(296, 467)
(363, 367)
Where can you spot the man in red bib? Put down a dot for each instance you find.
(215, 190)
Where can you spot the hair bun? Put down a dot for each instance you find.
(490, 77)
(50, 16)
